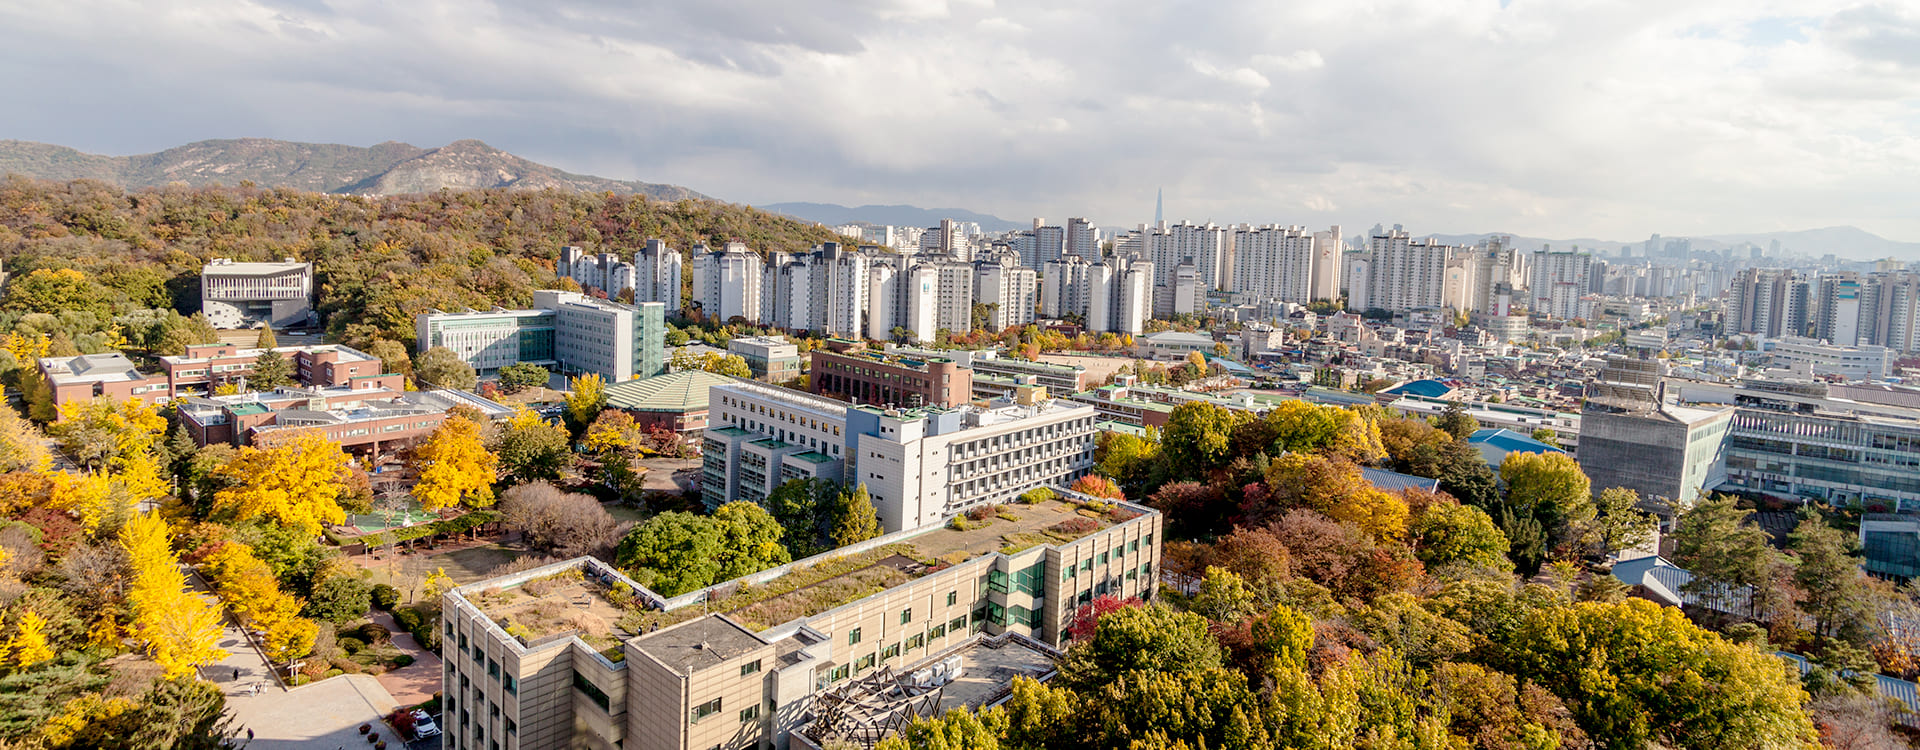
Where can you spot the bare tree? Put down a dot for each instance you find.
(559, 523)
(94, 572)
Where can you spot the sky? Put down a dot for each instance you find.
(1555, 118)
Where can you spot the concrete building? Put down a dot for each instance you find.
(1560, 279)
(200, 370)
(1768, 302)
(519, 674)
(920, 466)
(904, 300)
(250, 295)
(1398, 273)
(726, 282)
(1202, 249)
(889, 379)
(1632, 436)
(1805, 358)
(1837, 443)
(1009, 290)
(772, 359)
(1286, 263)
(1081, 240)
(822, 291)
(490, 340)
(618, 342)
(656, 276)
(1838, 319)
(1059, 380)
(1172, 345)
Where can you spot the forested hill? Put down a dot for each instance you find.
(389, 168)
(379, 260)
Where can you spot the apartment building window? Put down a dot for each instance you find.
(493, 670)
(513, 685)
(853, 637)
(1133, 546)
(512, 728)
(704, 710)
(839, 673)
(750, 668)
(1103, 558)
(916, 640)
(592, 691)
(750, 713)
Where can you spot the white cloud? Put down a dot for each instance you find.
(1552, 118)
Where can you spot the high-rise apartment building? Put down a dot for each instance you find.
(1081, 240)
(1007, 288)
(1559, 280)
(1288, 264)
(1890, 310)
(1838, 321)
(726, 282)
(653, 276)
(825, 290)
(1768, 302)
(1201, 246)
(1397, 273)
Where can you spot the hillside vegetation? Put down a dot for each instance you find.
(379, 261)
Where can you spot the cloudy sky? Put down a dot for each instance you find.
(1560, 118)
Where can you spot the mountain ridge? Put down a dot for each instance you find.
(387, 168)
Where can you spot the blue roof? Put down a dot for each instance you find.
(1496, 442)
(1428, 388)
(1393, 481)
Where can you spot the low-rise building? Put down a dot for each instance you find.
(675, 401)
(772, 359)
(572, 332)
(250, 295)
(548, 657)
(1058, 379)
(1171, 345)
(373, 417)
(110, 374)
(1807, 358)
(890, 379)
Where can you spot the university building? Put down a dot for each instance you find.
(250, 295)
(577, 655)
(567, 331)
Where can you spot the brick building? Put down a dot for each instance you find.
(885, 379)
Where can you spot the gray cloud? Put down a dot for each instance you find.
(1539, 117)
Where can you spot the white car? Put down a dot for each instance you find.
(423, 725)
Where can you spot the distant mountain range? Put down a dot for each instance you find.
(389, 168)
(899, 216)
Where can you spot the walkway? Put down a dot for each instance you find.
(304, 718)
(413, 684)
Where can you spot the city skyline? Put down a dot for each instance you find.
(1605, 121)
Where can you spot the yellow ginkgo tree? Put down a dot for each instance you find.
(455, 466)
(296, 483)
(180, 630)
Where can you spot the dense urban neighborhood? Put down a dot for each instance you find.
(290, 469)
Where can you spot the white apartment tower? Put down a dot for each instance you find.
(1399, 273)
(1204, 247)
(656, 275)
(726, 283)
(1288, 264)
(1011, 289)
(1768, 302)
(1560, 279)
(1081, 240)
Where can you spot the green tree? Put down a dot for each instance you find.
(339, 598)
(1618, 522)
(393, 357)
(1223, 596)
(1827, 570)
(1454, 420)
(1724, 552)
(1635, 673)
(803, 508)
(1153, 638)
(672, 553)
(1551, 488)
(54, 291)
(1129, 460)
(266, 339)
(857, 519)
(271, 370)
(1548, 436)
(1196, 439)
(440, 367)
(519, 377)
(530, 448)
(1452, 533)
(749, 540)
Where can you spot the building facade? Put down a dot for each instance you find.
(250, 295)
(866, 377)
(488, 341)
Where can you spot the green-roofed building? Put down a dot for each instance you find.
(675, 401)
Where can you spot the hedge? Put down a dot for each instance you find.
(459, 525)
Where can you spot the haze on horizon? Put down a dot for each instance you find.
(1601, 119)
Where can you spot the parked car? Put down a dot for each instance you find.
(423, 725)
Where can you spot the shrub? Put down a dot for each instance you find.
(1075, 526)
(1036, 495)
(959, 523)
(385, 597)
(333, 673)
(402, 660)
(983, 512)
(352, 645)
(374, 634)
(1122, 515)
(408, 618)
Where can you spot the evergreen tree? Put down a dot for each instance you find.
(270, 371)
(266, 339)
(858, 520)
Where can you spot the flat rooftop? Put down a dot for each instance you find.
(572, 601)
(695, 645)
(805, 592)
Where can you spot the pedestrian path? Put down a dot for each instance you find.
(413, 684)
